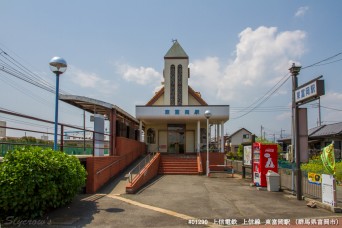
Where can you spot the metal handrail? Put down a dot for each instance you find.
(114, 162)
(136, 170)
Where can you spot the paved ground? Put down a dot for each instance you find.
(176, 201)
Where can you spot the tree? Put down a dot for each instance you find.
(240, 152)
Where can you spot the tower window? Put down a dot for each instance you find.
(179, 85)
(172, 85)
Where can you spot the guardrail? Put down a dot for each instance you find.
(136, 170)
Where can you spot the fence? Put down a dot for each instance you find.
(79, 146)
(288, 179)
(237, 166)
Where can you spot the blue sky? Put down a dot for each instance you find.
(238, 51)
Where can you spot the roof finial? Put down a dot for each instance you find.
(174, 40)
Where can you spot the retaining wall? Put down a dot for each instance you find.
(101, 169)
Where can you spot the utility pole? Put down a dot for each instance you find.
(261, 131)
(281, 133)
(295, 130)
(84, 132)
(319, 112)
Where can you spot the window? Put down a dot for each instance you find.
(245, 136)
(172, 85)
(151, 136)
(179, 85)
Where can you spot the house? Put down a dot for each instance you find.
(321, 136)
(2, 129)
(239, 137)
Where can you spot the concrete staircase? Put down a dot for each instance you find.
(178, 164)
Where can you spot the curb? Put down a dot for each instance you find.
(324, 206)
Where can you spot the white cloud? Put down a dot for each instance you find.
(262, 57)
(284, 116)
(140, 75)
(204, 75)
(90, 80)
(331, 106)
(301, 11)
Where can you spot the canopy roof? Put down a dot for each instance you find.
(95, 106)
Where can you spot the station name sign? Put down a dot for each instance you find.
(309, 91)
(184, 112)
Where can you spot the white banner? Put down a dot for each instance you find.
(247, 155)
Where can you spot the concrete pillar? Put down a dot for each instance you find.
(99, 135)
(218, 136)
(112, 130)
(222, 137)
(140, 131)
(198, 136)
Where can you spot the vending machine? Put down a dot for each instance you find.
(265, 158)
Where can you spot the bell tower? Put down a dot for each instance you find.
(176, 74)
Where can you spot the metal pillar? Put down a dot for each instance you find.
(222, 137)
(55, 142)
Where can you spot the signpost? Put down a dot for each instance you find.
(308, 92)
(247, 157)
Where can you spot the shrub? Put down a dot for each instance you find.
(315, 165)
(230, 155)
(239, 153)
(33, 179)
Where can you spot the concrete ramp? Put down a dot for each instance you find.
(117, 186)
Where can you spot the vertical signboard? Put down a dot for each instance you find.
(303, 134)
(328, 190)
(99, 135)
(247, 155)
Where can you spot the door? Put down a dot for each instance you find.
(162, 141)
(176, 138)
(190, 141)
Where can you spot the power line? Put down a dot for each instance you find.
(22, 89)
(339, 110)
(321, 61)
(323, 64)
(266, 97)
(12, 67)
(276, 87)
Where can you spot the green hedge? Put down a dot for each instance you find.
(34, 179)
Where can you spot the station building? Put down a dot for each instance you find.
(173, 119)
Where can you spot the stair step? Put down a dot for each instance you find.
(179, 173)
(178, 165)
(178, 168)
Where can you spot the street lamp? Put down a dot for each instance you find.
(58, 66)
(207, 115)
